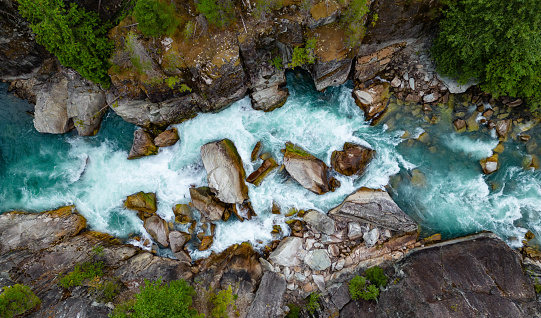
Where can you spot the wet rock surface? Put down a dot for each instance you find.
(352, 160)
(306, 169)
(143, 145)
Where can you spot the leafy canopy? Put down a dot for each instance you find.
(77, 37)
(155, 18)
(497, 42)
(157, 300)
(16, 300)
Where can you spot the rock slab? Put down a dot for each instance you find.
(268, 299)
(286, 254)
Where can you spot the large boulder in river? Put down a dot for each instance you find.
(306, 169)
(375, 207)
(225, 173)
(167, 138)
(158, 229)
(206, 202)
(352, 160)
(490, 164)
(86, 104)
(142, 202)
(51, 114)
(143, 145)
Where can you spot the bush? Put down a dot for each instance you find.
(77, 37)
(358, 288)
(155, 18)
(375, 276)
(277, 63)
(219, 13)
(353, 22)
(86, 270)
(494, 41)
(16, 300)
(302, 56)
(263, 8)
(221, 302)
(157, 300)
(313, 303)
(294, 311)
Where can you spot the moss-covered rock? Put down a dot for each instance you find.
(142, 202)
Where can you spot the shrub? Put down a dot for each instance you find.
(276, 62)
(496, 42)
(221, 302)
(155, 18)
(76, 37)
(294, 311)
(219, 13)
(86, 270)
(358, 288)
(537, 288)
(306, 55)
(105, 290)
(157, 300)
(375, 276)
(16, 300)
(313, 303)
(353, 22)
(264, 7)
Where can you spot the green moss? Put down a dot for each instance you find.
(290, 147)
(17, 300)
(360, 289)
(537, 288)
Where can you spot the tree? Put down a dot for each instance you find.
(497, 42)
(155, 18)
(219, 13)
(77, 37)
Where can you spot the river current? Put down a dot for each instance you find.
(438, 183)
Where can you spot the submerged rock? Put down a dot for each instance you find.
(143, 145)
(375, 207)
(225, 173)
(167, 138)
(266, 167)
(352, 160)
(205, 201)
(142, 202)
(158, 229)
(490, 164)
(256, 151)
(306, 169)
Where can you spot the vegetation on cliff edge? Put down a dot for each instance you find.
(155, 18)
(16, 300)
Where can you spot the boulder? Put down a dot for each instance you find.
(50, 112)
(320, 222)
(287, 252)
(142, 202)
(503, 127)
(167, 138)
(352, 160)
(306, 169)
(317, 260)
(268, 300)
(183, 213)
(206, 242)
(206, 202)
(373, 101)
(375, 207)
(143, 145)
(460, 124)
(86, 104)
(355, 230)
(158, 229)
(371, 237)
(255, 152)
(490, 164)
(266, 167)
(225, 173)
(178, 240)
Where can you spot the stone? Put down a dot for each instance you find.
(256, 151)
(412, 83)
(142, 202)
(352, 160)
(320, 282)
(503, 127)
(210, 207)
(183, 257)
(183, 213)
(499, 148)
(333, 250)
(524, 137)
(268, 300)
(276, 208)
(86, 104)
(424, 138)
(50, 112)
(306, 169)
(430, 98)
(460, 124)
(396, 82)
(178, 240)
(453, 86)
(158, 229)
(265, 265)
(143, 145)
(490, 164)
(225, 173)
(418, 179)
(317, 260)
(364, 97)
(375, 207)
(286, 254)
(266, 167)
(471, 122)
(320, 222)
(167, 138)
(371, 238)
(340, 297)
(206, 242)
(355, 230)
(340, 264)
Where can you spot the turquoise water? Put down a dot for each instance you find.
(40, 172)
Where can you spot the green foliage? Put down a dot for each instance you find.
(358, 288)
(86, 270)
(277, 63)
(98, 250)
(140, 66)
(221, 302)
(537, 288)
(184, 88)
(77, 37)
(105, 290)
(291, 147)
(172, 81)
(155, 18)
(294, 311)
(494, 41)
(263, 8)
(376, 276)
(157, 300)
(16, 300)
(219, 13)
(313, 303)
(306, 55)
(375, 18)
(353, 22)
(189, 30)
